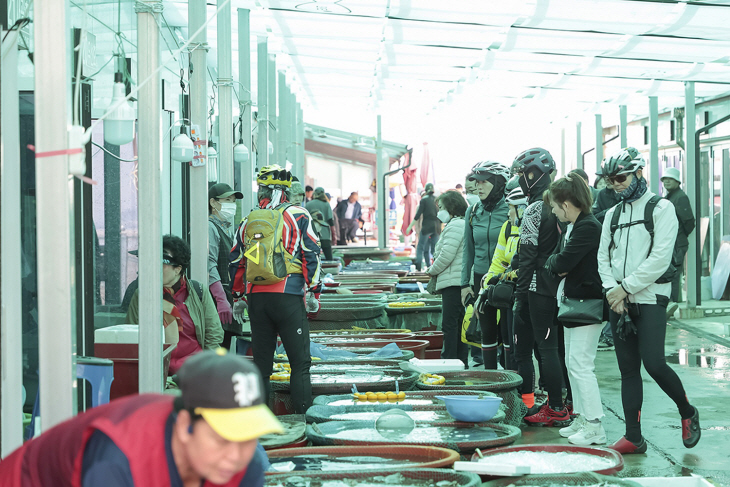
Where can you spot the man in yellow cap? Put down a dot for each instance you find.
(207, 436)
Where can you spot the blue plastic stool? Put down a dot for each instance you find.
(98, 372)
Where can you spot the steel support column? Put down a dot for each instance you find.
(381, 167)
(578, 150)
(54, 196)
(244, 75)
(149, 204)
(283, 120)
(300, 140)
(273, 117)
(725, 194)
(562, 151)
(11, 355)
(263, 102)
(654, 144)
(694, 253)
(599, 140)
(622, 124)
(225, 96)
(199, 116)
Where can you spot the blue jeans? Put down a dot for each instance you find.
(424, 249)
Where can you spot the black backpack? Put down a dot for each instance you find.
(648, 222)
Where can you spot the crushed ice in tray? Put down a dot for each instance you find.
(541, 462)
(393, 480)
(423, 434)
(420, 416)
(330, 462)
(351, 378)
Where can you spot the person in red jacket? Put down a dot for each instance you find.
(207, 436)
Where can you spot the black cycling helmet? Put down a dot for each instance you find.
(514, 182)
(625, 161)
(536, 158)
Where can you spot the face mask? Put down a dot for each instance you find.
(227, 211)
(444, 216)
(520, 210)
(472, 199)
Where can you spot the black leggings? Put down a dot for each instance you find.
(490, 335)
(326, 247)
(451, 318)
(282, 314)
(646, 346)
(536, 322)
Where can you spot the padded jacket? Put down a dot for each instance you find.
(629, 263)
(505, 251)
(448, 255)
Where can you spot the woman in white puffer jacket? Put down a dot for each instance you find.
(446, 269)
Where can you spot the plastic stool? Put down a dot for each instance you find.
(98, 372)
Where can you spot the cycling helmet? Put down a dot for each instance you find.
(483, 170)
(516, 197)
(513, 183)
(536, 158)
(625, 161)
(274, 175)
(514, 169)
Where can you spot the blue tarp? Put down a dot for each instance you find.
(328, 353)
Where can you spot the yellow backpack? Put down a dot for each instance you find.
(267, 259)
(470, 331)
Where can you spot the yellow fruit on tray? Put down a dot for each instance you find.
(382, 396)
(316, 358)
(392, 395)
(371, 396)
(401, 395)
(360, 397)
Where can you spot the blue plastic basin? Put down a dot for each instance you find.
(471, 409)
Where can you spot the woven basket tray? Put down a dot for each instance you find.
(478, 380)
(320, 386)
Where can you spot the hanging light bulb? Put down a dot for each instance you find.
(182, 147)
(212, 163)
(119, 125)
(240, 152)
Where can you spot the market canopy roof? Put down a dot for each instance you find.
(347, 59)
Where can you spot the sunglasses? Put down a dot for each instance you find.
(619, 178)
(169, 260)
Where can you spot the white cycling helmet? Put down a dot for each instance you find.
(516, 197)
(482, 170)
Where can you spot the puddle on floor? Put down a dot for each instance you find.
(713, 357)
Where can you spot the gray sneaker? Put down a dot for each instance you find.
(605, 344)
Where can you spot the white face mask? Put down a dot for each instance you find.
(444, 216)
(472, 199)
(227, 212)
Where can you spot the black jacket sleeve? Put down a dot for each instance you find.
(529, 234)
(684, 214)
(583, 239)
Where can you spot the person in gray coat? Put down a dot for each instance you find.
(484, 222)
(446, 269)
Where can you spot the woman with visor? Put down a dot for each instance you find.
(189, 314)
(483, 224)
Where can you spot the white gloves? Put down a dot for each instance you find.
(238, 310)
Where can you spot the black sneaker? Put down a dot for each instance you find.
(691, 430)
(605, 344)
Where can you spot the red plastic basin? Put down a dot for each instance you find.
(596, 451)
(435, 338)
(419, 456)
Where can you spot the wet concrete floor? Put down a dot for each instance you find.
(699, 351)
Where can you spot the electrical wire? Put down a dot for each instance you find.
(111, 154)
(151, 76)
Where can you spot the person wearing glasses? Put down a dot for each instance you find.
(189, 314)
(484, 221)
(633, 266)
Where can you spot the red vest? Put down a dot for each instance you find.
(136, 424)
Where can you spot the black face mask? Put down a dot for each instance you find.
(536, 186)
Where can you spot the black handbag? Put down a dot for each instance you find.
(575, 310)
(502, 294)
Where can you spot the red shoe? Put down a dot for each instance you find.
(624, 446)
(691, 430)
(548, 417)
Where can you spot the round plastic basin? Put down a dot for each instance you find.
(472, 409)
(613, 456)
(392, 456)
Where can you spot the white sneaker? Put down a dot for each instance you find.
(574, 427)
(590, 434)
